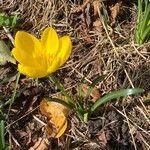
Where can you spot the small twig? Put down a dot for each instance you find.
(138, 52)
(9, 35)
(74, 69)
(144, 115)
(38, 120)
(114, 48)
(13, 138)
(146, 132)
(29, 112)
(129, 125)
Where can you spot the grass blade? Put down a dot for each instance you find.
(59, 86)
(93, 84)
(114, 95)
(2, 139)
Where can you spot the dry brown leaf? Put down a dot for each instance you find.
(115, 10)
(95, 94)
(41, 144)
(85, 18)
(102, 138)
(98, 25)
(57, 116)
(96, 6)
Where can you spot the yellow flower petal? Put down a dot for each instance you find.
(50, 41)
(54, 65)
(32, 72)
(64, 49)
(39, 58)
(22, 57)
(27, 43)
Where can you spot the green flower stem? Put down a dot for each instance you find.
(61, 88)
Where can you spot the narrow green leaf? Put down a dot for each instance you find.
(12, 99)
(80, 91)
(2, 138)
(142, 29)
(61, 88)
(5, 55)
(114, 95)
(146, 18)
(59, 85)
(93, 84)
(14, 20)
(146, 34)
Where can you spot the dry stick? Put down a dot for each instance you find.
(143, 106)
(38, 120)
(9, 35)
(74, 69)
(135, 125)
(144, 115)
(29, 112)
(146, 132)
(143, 140)
(129, 125)
(14, 138)
(114, 48)
(138, 52)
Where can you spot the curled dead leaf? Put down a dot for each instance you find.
(115, 11)
(57, 117)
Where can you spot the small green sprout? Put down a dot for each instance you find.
(80, 104)
(3, 145)
(7, 21)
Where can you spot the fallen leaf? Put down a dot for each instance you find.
(85, 18)
(102, 138)
(96, 6)
(41, 144)
(5, 55)
(115, 10)
(57, 116)
(98, 25)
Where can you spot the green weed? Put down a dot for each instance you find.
(81, 105)
(142, 33)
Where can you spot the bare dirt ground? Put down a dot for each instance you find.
(98, 48)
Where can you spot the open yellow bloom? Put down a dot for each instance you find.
(41, 57)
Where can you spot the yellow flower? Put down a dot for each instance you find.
(41, 57)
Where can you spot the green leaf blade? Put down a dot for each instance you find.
(2, 139)
(114, 95)
(93, 84)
